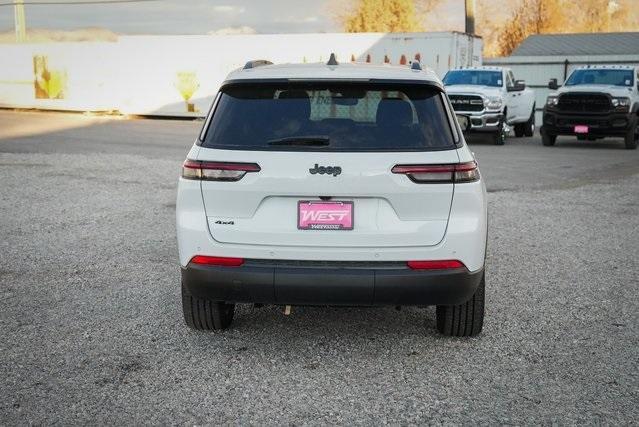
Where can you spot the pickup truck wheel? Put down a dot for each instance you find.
(519, 130)
(548, 140)
(529, 126)
(463, 320)
(206, 315)
(632, 136)
(499, 137)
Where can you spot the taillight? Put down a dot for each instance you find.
(460, 172)
(435, 265)
(216, 171)
(217, 260)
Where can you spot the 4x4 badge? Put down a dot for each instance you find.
(328, 170)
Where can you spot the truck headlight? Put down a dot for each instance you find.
(551, 101)
(621, 104)
(493, 103)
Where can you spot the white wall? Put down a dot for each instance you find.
(139, 74)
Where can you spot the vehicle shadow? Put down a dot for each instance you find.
(329, 327)
(487, 139)
(480, 139)
(607, 144)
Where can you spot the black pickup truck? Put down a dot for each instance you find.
(595, 102)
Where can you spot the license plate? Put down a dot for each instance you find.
(312, 215)
(581, 129)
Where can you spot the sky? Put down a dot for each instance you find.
(201, 16)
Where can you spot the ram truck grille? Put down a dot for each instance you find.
(584, 103)
(467, 102)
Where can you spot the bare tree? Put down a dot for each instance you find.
(531, 17)
(563, 16)
(382, 15)
(604, 15)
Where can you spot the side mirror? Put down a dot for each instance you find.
(517, 87)
(552, 84)
(464, 122)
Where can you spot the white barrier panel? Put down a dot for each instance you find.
(179, 75)
(62, 76)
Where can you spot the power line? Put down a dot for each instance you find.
(81, 2)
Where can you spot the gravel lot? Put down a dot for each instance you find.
(92, 329)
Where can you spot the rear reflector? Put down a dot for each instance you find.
(435, 265)
(217, 260)
(460, 172)
(217, 171)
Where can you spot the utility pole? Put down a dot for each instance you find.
(469, 8)
(20, 21)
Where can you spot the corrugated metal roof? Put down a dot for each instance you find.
(579, 44)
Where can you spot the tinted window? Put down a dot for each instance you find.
(600, 77)
(330, 117)
(473, 77)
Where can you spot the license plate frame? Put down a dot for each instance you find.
(319, 215)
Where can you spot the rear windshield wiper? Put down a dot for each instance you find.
(318, 141)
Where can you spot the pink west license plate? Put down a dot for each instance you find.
(581, 129)
(324, 215)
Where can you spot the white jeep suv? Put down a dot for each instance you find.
(332, 184)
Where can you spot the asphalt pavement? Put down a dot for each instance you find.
(92, 329)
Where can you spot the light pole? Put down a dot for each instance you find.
(20, 21)
(469, 9)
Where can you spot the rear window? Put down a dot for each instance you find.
(329, 117)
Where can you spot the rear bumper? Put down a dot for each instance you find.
(330, 283)
(607, 124)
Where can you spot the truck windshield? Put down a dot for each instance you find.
(329, 116)
(473, 77)
(600, 77)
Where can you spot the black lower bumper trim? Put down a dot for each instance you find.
(609, 124)
(330, 285)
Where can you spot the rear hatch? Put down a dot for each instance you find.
(320, 162)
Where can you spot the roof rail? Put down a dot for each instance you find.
(416, 66)
(332, 60)
(256, 63)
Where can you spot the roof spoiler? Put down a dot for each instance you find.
(256, 63)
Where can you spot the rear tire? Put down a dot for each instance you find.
(548, 140)
(632, 136)
(206, 315)
(463, 320)
(519, 130)
(529, 126)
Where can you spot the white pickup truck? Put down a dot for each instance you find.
(595, 102)
(493, 101)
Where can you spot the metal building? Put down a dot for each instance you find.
(542, 57)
